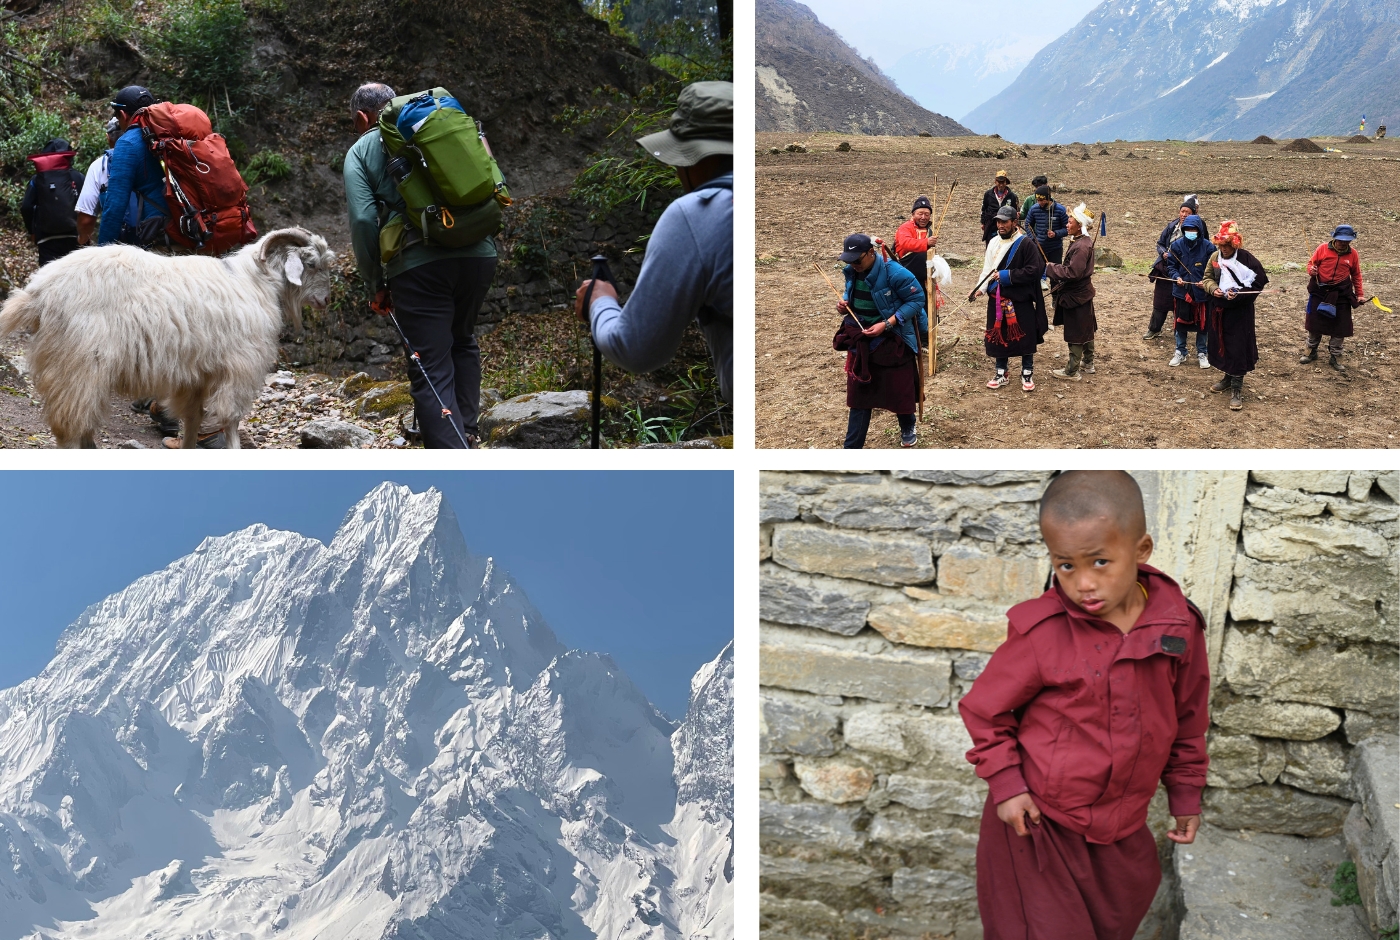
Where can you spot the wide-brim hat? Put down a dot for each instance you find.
(1344, 233)
(702, 126)
(1002, 175)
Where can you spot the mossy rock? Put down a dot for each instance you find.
(357, 384)
(385, 399)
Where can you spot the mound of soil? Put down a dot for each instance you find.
(1263, 139)
(1358, 139)
(1302, 145)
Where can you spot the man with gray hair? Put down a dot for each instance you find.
(435, 292)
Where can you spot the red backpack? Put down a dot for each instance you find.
(206, 196)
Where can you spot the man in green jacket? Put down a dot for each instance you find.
(436, 293)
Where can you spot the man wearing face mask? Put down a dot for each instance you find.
(1186, 263)
(1334, 283)
(1162, 281)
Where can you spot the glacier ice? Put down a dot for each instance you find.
(375, 739)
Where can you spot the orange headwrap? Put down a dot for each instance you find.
(1229, 234)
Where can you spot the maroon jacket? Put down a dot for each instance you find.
(1087, 718)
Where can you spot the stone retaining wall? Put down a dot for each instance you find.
(883, 594)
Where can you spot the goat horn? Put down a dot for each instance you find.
(284, 236)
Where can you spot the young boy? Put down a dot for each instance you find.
(1099, 692)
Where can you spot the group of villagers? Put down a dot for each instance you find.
(1206, 282)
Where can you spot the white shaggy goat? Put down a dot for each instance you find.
(195, 333)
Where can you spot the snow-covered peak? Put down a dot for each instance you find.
(376, 738)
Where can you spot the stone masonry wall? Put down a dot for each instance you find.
(883, 594)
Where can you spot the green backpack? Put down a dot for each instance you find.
(443, 169)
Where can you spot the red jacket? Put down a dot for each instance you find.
(1087, 718)
(1332, 268)
(910, 238)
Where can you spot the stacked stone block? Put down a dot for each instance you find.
(883, 594)
(882, 597)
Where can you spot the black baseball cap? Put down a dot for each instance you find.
(132, 98)
(855, 247)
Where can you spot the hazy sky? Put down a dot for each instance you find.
(887, 29)
(637, 565)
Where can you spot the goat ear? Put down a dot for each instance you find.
(293, 267)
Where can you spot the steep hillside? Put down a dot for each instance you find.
(809, 79)
(1207, 69)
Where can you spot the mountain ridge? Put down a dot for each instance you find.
(810, 79)
(1207, 69)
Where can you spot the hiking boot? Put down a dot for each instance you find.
(1178, 358)
(998, 380)
(1309, 356)
(1066, 374)
(1222, 385)
(1151, 334)
(168, 424)
(1027, 382)
(1336, 363)
(214, 441)
(1203, 360)
(142, 406)
(1236, 399)
(908, 440)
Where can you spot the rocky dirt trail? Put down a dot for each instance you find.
(1286, 202)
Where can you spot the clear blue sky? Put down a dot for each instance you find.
(637, 565)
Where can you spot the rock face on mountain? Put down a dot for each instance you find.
(375, 739)
(1207, 69)
(810, 80)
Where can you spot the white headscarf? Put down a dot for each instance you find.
(1085, 218)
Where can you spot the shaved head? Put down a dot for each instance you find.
(1081, 495)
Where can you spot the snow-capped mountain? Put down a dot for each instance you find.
(957, 77)
(376, 738)
(1207, 69)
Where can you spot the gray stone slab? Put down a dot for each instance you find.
(1353, 677)
(863, 556)
(788, 659)
(1276, 808)
(1375, 777)
(812, 825)
(1262, 886)
(809, 602)
(796, 724)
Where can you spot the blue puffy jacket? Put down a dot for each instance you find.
(1187, 260)
(896, 293)
(1040, 222)
(132, 169)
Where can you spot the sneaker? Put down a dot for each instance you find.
(1066, 374)
(998, 380)
(1178, 358)
(1236, 399)
(1336, 363)
(1203, 360)
(1222, 385)
(908, 440)
(1088, 367)
(1151, 334)
(1027, 383)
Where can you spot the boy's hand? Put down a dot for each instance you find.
(1185, 831)
(1013, 813)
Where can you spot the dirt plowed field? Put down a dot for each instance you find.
(1286, 203)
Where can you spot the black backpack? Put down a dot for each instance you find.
(55, 196)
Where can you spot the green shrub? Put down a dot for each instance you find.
(25, 130)
(111, 20)
(206, 46)
(1344, 890)
(266, 167)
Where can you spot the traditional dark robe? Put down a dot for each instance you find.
(1072, 284)
(884, 377)
(1233, 347)
(1025, 265)
(1056, 885)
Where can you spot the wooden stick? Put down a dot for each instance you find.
(946, 204)
(932, 320)
(839, 298)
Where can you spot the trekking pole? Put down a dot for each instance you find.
(600, 273)
(413, 354)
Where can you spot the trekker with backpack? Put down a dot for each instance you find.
(49, 201)
(424, 197)
(132, 171)
(688, 271)
(94, 185)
